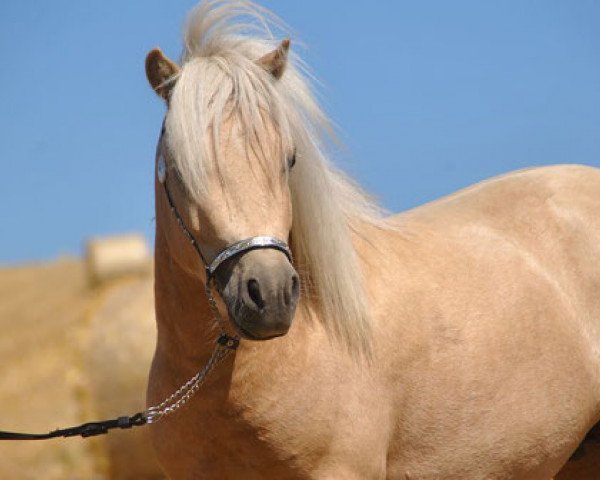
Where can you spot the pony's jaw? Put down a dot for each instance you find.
(261, 293)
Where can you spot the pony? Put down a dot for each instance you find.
(458, 340)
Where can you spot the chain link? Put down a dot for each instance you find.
(224, 346)
(179, 398)
(213, 305)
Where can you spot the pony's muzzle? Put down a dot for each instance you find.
(261, 294)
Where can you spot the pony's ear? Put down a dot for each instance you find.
(161, 72)
(274, 62)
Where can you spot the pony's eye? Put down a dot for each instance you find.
(292, 160)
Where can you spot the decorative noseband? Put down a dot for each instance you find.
(242, 246)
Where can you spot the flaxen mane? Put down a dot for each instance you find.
(220, 77)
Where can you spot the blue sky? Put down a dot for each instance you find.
(429, 96)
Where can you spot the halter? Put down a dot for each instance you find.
(224, 345)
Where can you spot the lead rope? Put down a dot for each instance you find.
(224, 346)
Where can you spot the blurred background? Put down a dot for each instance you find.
(429, 97)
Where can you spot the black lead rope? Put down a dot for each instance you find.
(91, 429)
(85, 430)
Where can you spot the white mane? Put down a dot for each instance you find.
(222, 41)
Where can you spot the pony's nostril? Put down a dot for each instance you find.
(254, 292)
(292, 294)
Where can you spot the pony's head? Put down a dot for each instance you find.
(243, 191)
(242, 146)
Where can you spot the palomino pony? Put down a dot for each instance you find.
(459, 340)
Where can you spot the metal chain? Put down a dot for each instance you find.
(179, 398)
(213, 304)
(224, 346)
